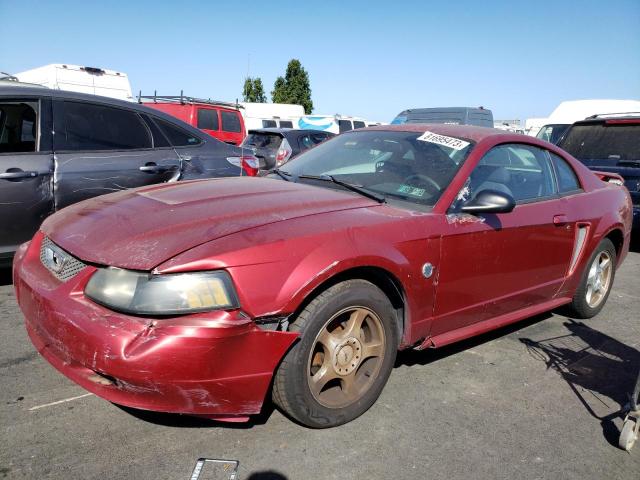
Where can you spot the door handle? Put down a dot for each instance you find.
(154, 168)
(17, 175)
(560, 220)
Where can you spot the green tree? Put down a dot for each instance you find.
(258, 91)
(294, 87)
(247, 90)
(253, 90)
(279, 92)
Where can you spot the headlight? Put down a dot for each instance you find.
(171, 294)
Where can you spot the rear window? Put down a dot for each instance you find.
(207, 119)
(357, 124)
(230, 122)
(177, 136)
(263, 140)
(600, 141)
(99, 127)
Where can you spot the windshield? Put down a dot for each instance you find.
(552, 133)
(262, 140)
(411, 166)
(600, 141)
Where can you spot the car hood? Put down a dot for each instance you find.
(139, 229)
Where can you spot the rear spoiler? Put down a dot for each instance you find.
(610, 177)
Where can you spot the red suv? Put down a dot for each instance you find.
(219, 119)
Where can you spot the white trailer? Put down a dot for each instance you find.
(75, 78)
(570, 111)
(333, 123)
(268, 115)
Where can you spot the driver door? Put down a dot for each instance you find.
(496, 264)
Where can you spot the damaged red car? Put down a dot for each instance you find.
(210, 297)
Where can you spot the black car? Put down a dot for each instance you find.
(276, 146)
(609, 143)
(57, 148)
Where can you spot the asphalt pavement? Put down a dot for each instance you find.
(537, 400)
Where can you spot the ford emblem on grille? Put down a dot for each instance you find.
(56, 260)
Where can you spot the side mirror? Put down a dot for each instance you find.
(489, 201)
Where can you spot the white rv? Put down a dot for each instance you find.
(74, 78)
(571, 111)
(333, 123)
(269, 115)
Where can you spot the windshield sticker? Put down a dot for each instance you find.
(409, 190)
(454, 143)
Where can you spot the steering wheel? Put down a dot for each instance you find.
(422, 180)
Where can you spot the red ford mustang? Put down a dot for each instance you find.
(203, 297)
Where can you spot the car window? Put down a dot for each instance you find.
(207, 119)
(100, 127)
(610, 140)
(522, 171)
(358, 124)
(408, 166)
(262, 140)
(286, 124)
(306, 142)
(552, 133)
(567, 178)
(159, 140)
(18, 127)
(230, 121)
(319, 137)
(269, 124)
(344, 125)
(176, 135)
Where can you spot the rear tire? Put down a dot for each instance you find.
(596, 282)
(347, 349)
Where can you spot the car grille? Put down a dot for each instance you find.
(61, 264)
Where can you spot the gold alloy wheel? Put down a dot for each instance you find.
(599, 279)
(346, 357)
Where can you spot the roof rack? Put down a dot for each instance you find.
(182, 99)
(613, 115)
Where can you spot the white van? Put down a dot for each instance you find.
(333, 123)
(74, 78)
(571, 111)
(270, 115)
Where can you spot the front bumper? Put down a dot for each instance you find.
(217, 364)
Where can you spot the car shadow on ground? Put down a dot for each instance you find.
(599, 369)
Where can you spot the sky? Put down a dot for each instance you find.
(366, 58)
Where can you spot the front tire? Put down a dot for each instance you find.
(347, 348)
(596, 282)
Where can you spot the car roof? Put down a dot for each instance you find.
(470, 132)
(20, 91)
(611, 117)
(282, 130)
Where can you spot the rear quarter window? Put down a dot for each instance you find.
(567, 178)
(176, 135)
